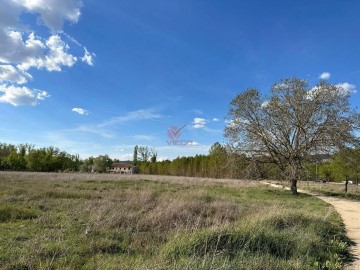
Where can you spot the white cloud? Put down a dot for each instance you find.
(216, 119)
(347, 87)
(80, 111)
(88, 58)
(52, 13)
(193, 143)
(160, 159)
(22, 49)
(11, 74)
(325, 76)
(56, 56)
(125, 157)
(235, 123)
(342, 89)
(21, 95)
(265, 104)
(199, 122)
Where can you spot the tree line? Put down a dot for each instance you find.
(25, 157)
(219, 163)
(223, 163)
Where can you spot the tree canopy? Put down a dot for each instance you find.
(294, 121)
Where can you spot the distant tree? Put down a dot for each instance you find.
(345, 165)
(146, 153)
(87, 165)
(15, 162)
(102, 164)
(153, 156)
(135, 160)
(296, 120)
(5, 150)
(218, 157)
(36, 160)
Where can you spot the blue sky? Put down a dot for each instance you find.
(99, 77)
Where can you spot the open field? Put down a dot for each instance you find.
(92, 221)
(332, 189)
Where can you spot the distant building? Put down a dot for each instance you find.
(123, 168)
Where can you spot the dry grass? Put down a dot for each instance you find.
(332, 189)
(92, 221)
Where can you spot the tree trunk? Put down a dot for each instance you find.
(346, 185)
(294, 187)
(293, 174)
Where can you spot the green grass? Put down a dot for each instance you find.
(333, 189)
(80, 221)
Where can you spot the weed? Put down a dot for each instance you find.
(87, 221)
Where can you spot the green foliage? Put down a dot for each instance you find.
(340, 166)
(25, 157)
(102, 164)
(218, 164)
(135, 157)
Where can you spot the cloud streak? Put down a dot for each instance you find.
(80, 111)
(142, 114)
(106, 128)
(199, 122)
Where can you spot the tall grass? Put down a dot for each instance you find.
(92, 221)
(333, 189)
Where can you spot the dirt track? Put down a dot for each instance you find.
(350, 213)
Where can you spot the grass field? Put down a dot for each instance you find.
(92, 221)
(332, 189)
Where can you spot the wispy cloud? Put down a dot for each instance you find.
(106, 129)
(198, 111)
(88, 57)
(199, 122)
(80, 111)
(140, 138)
(142, 114)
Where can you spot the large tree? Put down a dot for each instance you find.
(146, 154)
(294, 121)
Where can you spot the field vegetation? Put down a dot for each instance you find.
(333, 189)
(103, 221)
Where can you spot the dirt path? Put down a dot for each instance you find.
(350, 214)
